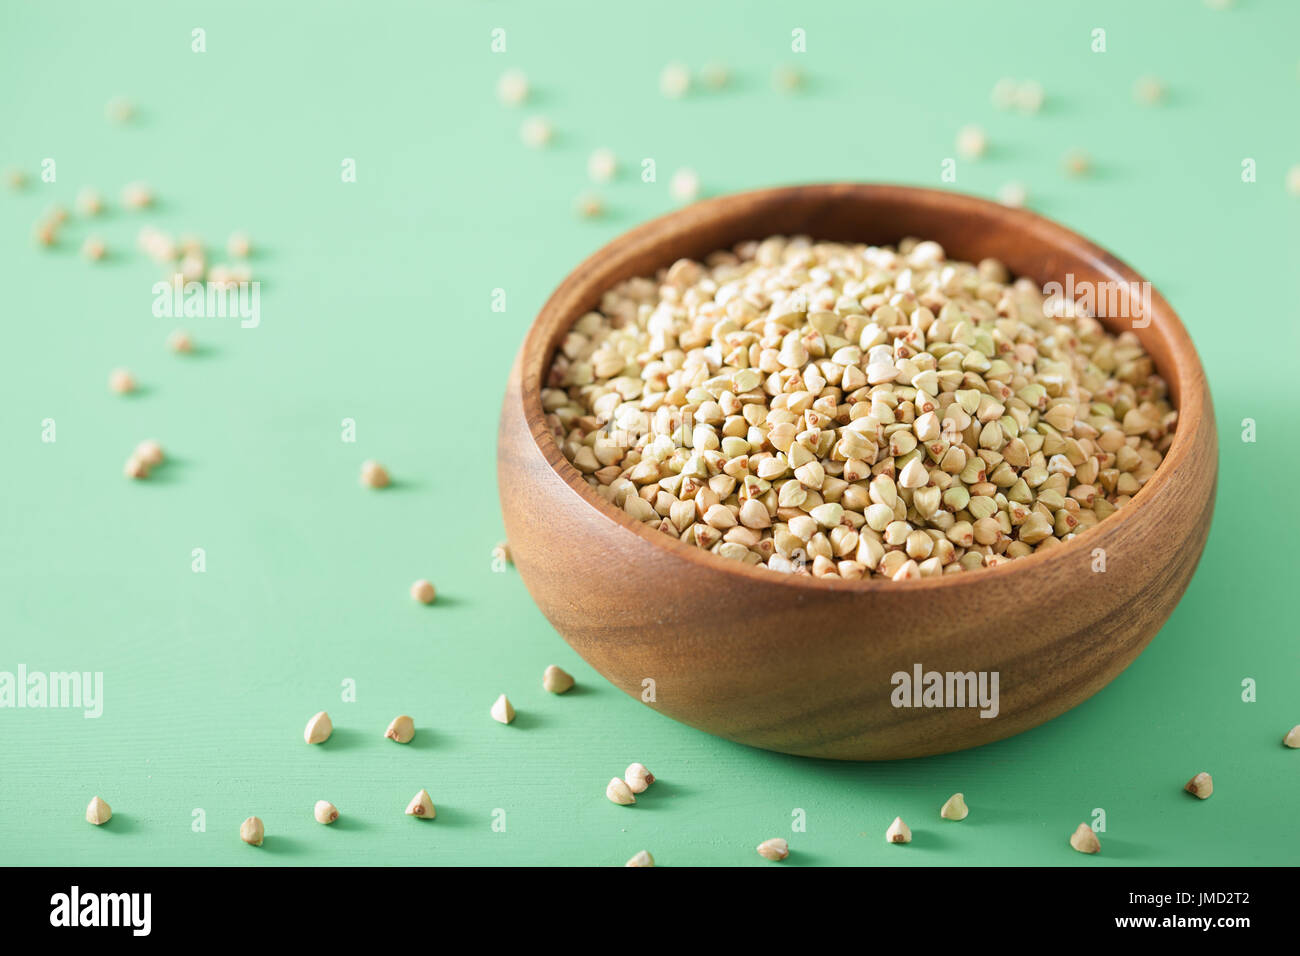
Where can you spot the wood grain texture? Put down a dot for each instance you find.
(804, 665)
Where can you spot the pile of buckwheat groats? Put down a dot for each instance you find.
(850, 410)
(183, 260)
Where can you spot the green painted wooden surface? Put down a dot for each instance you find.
(376, 307)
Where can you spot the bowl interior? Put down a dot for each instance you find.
(967, 227)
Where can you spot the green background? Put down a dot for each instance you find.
(376, 306)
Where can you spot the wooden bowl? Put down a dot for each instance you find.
(805, 665)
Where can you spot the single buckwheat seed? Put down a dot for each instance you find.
(1030, 96)
(46, 232)
(89, 202)
(374, 475)
(715, 75)
(137, 196)
(786, 78)
(318, 729)
(674, 81)
(1200, 786)
(536, 132)
(602, 165)
(135, 468)
(119, 110)
(512, 87)
(121, 381)
(684, 187)
(503, 712)
(619, 792)
(954, 808)
(98, 812)
(421, 806)
(1003, 95)
(1077, 163)
(1085, 840)
(149, 452)
(556, 680)
(94, 249)
(1148, 90)
(589, 205)
(638, 778)
(972, 142)
(1013, 194)
(402, 729)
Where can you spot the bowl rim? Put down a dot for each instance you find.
(1189, 375)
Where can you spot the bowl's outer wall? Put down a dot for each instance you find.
(807, 667)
